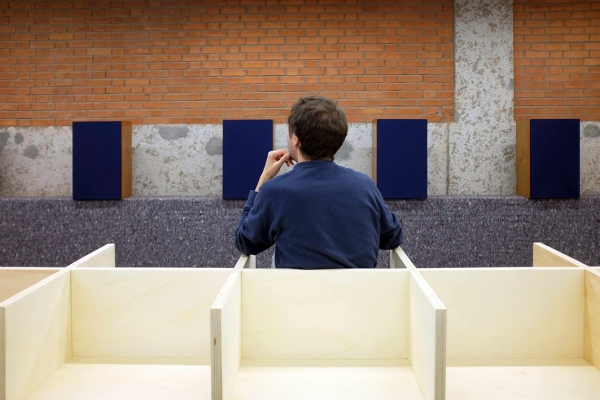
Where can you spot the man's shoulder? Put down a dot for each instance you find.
(276, 184)
(356, 175)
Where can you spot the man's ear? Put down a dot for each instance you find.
(295, 140)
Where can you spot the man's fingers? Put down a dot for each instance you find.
(283, 159)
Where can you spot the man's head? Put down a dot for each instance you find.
(319, 126)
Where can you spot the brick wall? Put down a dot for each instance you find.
(170, 62)
(557, 59)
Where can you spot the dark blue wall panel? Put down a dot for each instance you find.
(402, 158)
(97, 160)
(246, 144)
(554, 158)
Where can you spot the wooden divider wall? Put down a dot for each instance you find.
(335, 334)
(144, 312)
(36, 335)
(15, 280)
(299, 334)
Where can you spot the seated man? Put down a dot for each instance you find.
(319, 215)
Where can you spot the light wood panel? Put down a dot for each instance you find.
(523, 158)
(572, 379)
(511, 312)
(546, 256)
(14, 280)
(427, 338)
(326, 314)
(326, 380)
(37, 328)
(592, 317)
(226, 328)
(144, 312)
(104, 257)
(126, 382)
(399, 259)
(427, 330)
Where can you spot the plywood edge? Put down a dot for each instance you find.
(399, 259)
(374, 152)
(402, 261)
(245, 262)
(216, 324)
(591, 318)
(126, 160)
(104, 257)
(440, 350)
(437, 367)
(215, 355)
(545, 256)
(523, 158)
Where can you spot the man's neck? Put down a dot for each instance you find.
(301, 158)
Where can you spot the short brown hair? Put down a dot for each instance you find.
(320, 125)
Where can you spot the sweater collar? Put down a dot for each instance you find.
(314, 164)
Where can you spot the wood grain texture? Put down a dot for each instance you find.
(511, 312)
(15, 280)
(329, 314)
(427, 330)
(523, 158)
(126, 160)
(552, 380)
(427, 339)
(546, 256)
(125, 382)
(104, 257)
(592, 318)
(226, 329)
(143, 312)
(326, 380)
(37, 330)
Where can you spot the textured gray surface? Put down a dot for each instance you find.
(188, 232)
(482, 141)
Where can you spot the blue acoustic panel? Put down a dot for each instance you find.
(97, 160)
(554, 158)
(246, 144)
(401, 159)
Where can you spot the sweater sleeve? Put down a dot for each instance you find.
(390, 231)
(254, 234)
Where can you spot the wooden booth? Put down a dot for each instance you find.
(93, 331)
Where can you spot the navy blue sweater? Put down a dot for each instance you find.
(319, 215)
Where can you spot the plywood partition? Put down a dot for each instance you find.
(144, 312)
(328, 334)
(592, 317)
(325, 315)
(104, 257)
(226, 331)
(15, 280)
(545, 256)
(226, 351)
(36, 335)
(511, 313)
(427, 331)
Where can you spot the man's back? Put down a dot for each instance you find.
(320, 215)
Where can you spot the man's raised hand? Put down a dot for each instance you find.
(275, 160)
